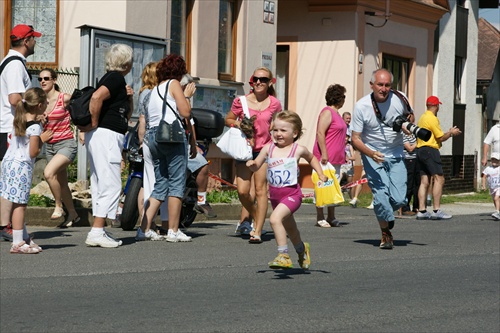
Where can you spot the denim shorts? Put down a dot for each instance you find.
(170, 164)
(197, 162)
(67, 148)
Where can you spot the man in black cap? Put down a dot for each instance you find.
(14, 81)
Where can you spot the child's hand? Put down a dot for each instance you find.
(46, 136)
(323, 178)
(251, 165)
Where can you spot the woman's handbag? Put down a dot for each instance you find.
(169, 133)
(234, 143)
(327, 193)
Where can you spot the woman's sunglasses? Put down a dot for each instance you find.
(45, 78)
(261, 79)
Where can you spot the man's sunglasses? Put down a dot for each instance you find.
(45, 78)
(261, 79)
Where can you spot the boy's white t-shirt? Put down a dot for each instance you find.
(493, 179)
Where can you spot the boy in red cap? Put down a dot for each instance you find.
(429, 160)
(14, 80)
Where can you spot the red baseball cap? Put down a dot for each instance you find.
(22, 31)
(433, 100)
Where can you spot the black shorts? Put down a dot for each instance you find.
(3, 145)
(429, 161)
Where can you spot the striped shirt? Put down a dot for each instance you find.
(411, 140)
(59, 122)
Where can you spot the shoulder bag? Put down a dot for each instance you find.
(169, 133)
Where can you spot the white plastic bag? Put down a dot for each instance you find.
(235, 144)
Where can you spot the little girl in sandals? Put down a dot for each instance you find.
(282, 157)
(17, 167)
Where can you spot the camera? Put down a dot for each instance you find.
(402, 121)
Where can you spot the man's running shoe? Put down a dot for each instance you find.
(423, 216)
(387, 242)
(496, 216)
(440, 215)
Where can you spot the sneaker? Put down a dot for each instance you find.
(423, 216)
(496, 216)
(23, 248)
(334, 223)
(305, 257)
(353, 203)
(245, 228)
(282, 261)
(7, 233)
(178, 236)
(370, 206)
(101, 239)
(387, 242)
(205, 209)
(440, 215)
(148, 235)
(110, 235)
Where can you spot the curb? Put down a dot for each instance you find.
(40, 216)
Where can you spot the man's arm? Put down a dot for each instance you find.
(454, 131)
(15, 98)
(362, 148)
(486, 150)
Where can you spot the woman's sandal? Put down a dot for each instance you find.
(255, 239)
(69, 223)
(58, 213)
(323, 224)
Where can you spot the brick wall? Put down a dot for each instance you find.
(464, 180)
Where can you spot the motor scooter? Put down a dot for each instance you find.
(208, 125)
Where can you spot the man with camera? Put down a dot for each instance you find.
(376, 126)
(429, 160)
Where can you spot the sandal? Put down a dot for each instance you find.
(255, 239)
(23, 248)
(58, 213)
(69, 223)
(323, 224)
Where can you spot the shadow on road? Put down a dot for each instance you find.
(399, 242)
(289, 273)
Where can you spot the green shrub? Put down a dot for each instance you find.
(40, 201)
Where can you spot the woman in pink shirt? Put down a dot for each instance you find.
(329, 145)
(60, 150)
(262, 104)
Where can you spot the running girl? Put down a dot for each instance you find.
(282, 157)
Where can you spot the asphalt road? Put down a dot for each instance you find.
(442, 276)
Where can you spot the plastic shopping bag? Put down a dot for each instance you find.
(235, 144)
(327, 193)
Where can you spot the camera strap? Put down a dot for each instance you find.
(377, 110)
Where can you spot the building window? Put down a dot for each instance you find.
(43, 15)
(459, 71)
(227, 40)
(399, 67)
(179, 36)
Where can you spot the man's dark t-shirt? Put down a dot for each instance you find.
(115, 109)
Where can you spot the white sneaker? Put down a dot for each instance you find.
(440, 215)
(148, 235)
(178, 236)
(370, 206)
(102, 240)
(353, 203)
(496, 216)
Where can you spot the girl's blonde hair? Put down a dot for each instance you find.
(149, 80)
(292, 118)
(32, 98)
